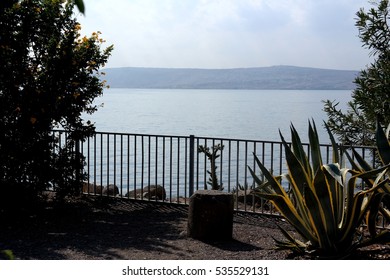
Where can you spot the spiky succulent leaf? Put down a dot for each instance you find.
(315, 148)
(383, 145)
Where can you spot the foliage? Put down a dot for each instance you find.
(49, 77)
(383, 199)
(8, 3)
(212, 157)
(80, 5)
(370, 99)
(324, 205)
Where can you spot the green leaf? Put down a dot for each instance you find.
(284, 205)
(298, 178)
(315, 148)
(297, 171)
(325, 198)
(276, 186)
(372, 213)
(298, 149)
(362, 163)
(317, 218)
(292, 243)
(336, 157)
(80, 5)
(383, 145)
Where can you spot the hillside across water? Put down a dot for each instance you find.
(275, 77)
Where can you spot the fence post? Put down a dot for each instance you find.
(191, 165)
(78, 168)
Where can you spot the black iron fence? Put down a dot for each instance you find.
(170, 168)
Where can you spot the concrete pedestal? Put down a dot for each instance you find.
(210, 215)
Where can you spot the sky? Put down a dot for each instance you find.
(220, 34)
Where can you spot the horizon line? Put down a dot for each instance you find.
(230, 68)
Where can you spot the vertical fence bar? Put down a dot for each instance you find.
(229, 163)
(185, 174)
(170, 167)
(101, 160)
(156, 164)
(121, 172)
(142, 165)
(128, 165)
(178, 170)
(135, 167)
(163, 163)
(88, 160)
(149, 162)
(108, 160)
(191, 166)
(221, 166)
(94, 161)
(114, 171)
(197, 164)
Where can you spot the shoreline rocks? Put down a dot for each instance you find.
(149, 192)
(110, 190)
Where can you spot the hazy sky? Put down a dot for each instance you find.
(229, 33)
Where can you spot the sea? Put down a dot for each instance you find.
(256, 115)
(232, 114)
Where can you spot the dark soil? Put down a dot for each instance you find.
(94, 229)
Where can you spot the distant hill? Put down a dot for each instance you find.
(275, 77)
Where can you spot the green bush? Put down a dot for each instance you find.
(324, 205)
(49, 78)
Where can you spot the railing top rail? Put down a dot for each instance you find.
(130, 134)
(211, 138)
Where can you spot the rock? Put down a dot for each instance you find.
(134, 193)
(149, 192)
(181, 200)
(154, 192)
(111, 190)
(210, 215)
(92, 188)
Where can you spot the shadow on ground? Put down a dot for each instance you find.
(98, 232)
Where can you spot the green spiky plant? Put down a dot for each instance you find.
(324, 206)
(382, 201)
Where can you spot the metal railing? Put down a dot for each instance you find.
(136, 163)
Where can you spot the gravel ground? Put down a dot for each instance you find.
(95, 229)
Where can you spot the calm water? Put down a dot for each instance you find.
(242, 114)
(133, 163)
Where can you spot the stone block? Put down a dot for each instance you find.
(210, 215)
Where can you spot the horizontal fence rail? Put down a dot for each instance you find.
(171, 168)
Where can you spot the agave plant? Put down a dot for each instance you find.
(383, 193)
(324, 205)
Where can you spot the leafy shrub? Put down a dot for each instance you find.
(324, 206)
(49, 77)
